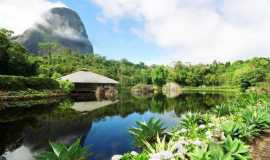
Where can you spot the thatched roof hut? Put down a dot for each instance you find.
(88, 77)
(88, 83)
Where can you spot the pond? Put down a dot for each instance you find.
(102, 126)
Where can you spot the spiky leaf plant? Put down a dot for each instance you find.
(61, 152)
(147, 131)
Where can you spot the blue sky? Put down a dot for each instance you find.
(111, 39)
(160, 31)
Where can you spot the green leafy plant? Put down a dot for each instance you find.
(199, 154)
(236, 149)
(160, 145)
(147, 131)
(130, 156)
(194, 124)
(163, 149)
(66, 86)
(61, 152)
(240, 130)
(223, 110)
(259, 118)
(194, 119)
(230, 150)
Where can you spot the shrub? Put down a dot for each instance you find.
(15, 83)
(62, 152)
(163, 150)
(147, 131)
(223, 110)
(189, 120)
(229, 150)
(132, 156)
(257, 117)
(236, 149)
(66, 86)
(239, 130)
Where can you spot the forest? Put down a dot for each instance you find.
(54, 62)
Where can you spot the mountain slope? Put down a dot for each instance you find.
(61, 25)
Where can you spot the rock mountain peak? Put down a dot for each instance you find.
(61, 25)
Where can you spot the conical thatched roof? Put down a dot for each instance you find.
(88, 77)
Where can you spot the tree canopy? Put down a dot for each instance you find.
(15, 60)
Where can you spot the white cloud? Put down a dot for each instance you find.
(199, 30)
(18, 15)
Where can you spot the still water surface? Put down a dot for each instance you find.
(103, 127)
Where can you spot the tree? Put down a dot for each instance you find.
(251, 78)
(14, 59)
(159, 75)
(47, 48)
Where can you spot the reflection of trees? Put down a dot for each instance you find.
(11, 134)
(39, 125)
(22, 111)
(158, 103)
(35, 126)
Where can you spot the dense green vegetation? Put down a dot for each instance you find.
(56, 61)
(61, 152)
(14, 59)
(221, 134)
(16, 83)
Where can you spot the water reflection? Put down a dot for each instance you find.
(102, 126)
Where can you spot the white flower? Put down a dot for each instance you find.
(183, 130)
(116, 157)
(209, 134)
(181, 150)
(202, 126)
(163, 155)
(181, 141)
(134, 153)
(197, 142)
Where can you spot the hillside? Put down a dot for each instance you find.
(59, 25)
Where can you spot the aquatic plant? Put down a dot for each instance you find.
(61, 152)
(146, 131)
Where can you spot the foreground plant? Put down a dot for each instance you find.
(61, 152)
(259, 117)
(165, 150)
(134, 156)
(229, 150)
(147, 131)
(218, 135)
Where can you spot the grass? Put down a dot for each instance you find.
(212, 89)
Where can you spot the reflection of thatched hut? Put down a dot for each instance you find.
(88, 84)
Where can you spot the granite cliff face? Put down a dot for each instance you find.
(61, 25)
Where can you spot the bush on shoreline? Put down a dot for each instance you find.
(16, 83)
